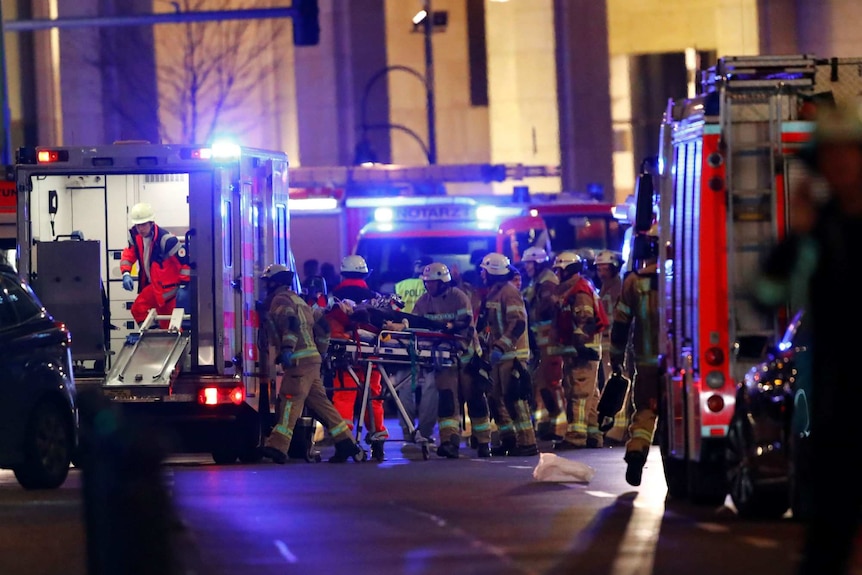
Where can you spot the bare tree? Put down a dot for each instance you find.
(211, 72)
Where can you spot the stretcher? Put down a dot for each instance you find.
(404, 353)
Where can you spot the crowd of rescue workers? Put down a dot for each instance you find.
(544, 353)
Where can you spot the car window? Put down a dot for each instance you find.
(16, 305)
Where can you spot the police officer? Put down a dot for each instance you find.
(580, 319)
(412, 288)
(445, 303)
(548, 415)
(503, 337)
(637, 310)
(289, 323)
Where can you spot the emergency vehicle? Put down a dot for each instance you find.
(229, 206)
(456, 231)
(726, 172)
(405, 203)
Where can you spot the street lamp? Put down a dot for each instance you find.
(364, 153)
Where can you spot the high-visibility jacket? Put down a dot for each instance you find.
(409, 291)
(162, 262)
(290, 324)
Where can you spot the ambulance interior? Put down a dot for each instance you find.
(79, 228)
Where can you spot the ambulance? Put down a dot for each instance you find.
(203, 376)
(457, 231)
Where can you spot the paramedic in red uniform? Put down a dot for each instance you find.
(162, 265)
(354, 270)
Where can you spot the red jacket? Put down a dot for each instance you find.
(167, 263)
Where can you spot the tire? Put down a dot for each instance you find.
(753, 499)
(48, 447)
(675, 472)
(225, 455)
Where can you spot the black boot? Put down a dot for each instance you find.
(449, 449)
(377, 450)
(523, 451)
(344, 450)
(272, 453)
(635, 469)
(483, 450)
(507, 443)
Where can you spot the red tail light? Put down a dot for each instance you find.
(714, 356)
(715, 403)
(219, 395)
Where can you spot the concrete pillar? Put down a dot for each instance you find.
(583, 84)
(333, 77)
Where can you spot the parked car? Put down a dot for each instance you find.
(768, 438)
(38, 415)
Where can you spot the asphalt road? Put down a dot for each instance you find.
(412, 516)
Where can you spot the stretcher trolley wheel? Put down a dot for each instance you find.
(361, 456)
(422, 442)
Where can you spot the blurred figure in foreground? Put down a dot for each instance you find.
(812, 266)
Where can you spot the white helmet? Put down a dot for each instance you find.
(535, 254)
(608, 257)
(566, 259)
(496, 264)
(436, 271)
(277, 272)
(141, 214)
(354, 263)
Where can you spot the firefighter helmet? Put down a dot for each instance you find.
(566, 259)
(277, 273)
(141, 214)
(436, 271)
(355, 264)
(535, 254)
(495, 264)
(608, 257)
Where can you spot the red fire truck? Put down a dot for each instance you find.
(727, 169)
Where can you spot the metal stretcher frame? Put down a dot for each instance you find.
(398, 349)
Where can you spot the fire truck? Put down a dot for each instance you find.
(229, 206)
(727, 168)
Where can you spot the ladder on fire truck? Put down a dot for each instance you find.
(759, 101)
(757, 98)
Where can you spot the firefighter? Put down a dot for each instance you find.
(548, 415)
(502, 330)
(637, 310)
(608, 265)
(163, 265)
(579, 321)
(353, 287)
(445, 303)
(289, 325)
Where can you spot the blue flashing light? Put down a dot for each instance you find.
(225, 150)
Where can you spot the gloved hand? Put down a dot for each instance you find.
(128, 282)
(496, 356)
(284, 357)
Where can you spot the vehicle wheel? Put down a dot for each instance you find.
(48, 448)
(361, 456)
(675, 472)
(751, 498)
(250, 455)
(224, 455)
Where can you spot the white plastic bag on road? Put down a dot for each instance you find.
(554, 468)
